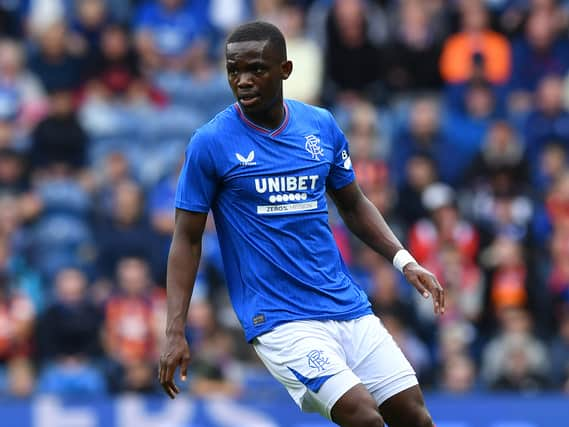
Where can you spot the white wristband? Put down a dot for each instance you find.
(401, 259)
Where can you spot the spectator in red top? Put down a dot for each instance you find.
(131, 318)
(558, 280)
(445, 226)
(16, 322)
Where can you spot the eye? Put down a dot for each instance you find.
(259, 70)
(232, 72)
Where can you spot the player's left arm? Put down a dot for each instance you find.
(366, 222)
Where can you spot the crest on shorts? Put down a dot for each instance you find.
(316, 360)
(312, 145)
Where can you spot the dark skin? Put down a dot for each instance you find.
(255, 74)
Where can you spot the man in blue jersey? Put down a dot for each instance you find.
(264, 166)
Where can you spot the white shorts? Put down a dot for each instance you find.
(319, 361)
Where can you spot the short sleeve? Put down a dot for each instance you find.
(197, 184)
(341, 171)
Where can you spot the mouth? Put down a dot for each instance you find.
(248, 100)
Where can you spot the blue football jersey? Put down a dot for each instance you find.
(267, 191)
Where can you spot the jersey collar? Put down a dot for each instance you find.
(269, 132)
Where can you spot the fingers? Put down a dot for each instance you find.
(166, 377)
(436, 290)
(184, 368)
(416, 282)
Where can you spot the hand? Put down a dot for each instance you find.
(426, 283)
(176, 353)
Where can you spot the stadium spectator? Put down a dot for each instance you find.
(133, 318)
(458, 375)
(70, 325)
(126, 231)
(500, 166)
(90, 21)
(558, 277)
(509, 279)
(549, 121)
(114, 63)
(12, 135)
(68, 339)
(421, 134)
(39, 15)
(369, 146)
(454, 339)
(212, 371)
(466, 126)
(14, 177)
(475, 38)
(496, 197)
(551, 213)
(59, 141)
(172, 34)
(560, 354)
(20, 378)
(21, 94)
(420, 173)
(11, 20)
(20, 203)
(515, 359)
(115, 169)
(463, 281)
(57, 68)
(348, 42)
(387, 295)
(305, 83)
(550, 166)
(413, 52)
(444, 227)
(62, 233)
(17, 315)
(539, 53)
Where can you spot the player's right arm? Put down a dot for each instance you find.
(197, 187)
(183, 262)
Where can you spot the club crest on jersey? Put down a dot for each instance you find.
(313, 146)
(246, 161)
(316, 360)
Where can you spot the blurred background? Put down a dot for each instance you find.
(457, 115)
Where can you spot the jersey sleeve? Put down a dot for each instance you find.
(197, 184)
(341, 171)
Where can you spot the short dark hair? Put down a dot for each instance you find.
(260, 31)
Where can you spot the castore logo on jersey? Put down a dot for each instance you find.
(246, 161)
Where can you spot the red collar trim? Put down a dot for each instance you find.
(261, 129)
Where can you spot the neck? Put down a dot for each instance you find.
(271, 118)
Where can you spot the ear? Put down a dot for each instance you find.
(286, 69)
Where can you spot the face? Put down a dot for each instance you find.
(133, 276)
(255, 74)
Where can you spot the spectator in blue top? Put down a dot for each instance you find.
(548, 122)
(53, 63)
(538, 53)
(126, 231)
(71, 323)
(465, 128)
(91, 19)
(172, 34)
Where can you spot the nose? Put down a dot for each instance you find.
(244, 81)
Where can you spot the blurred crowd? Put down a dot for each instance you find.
(458, 117)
